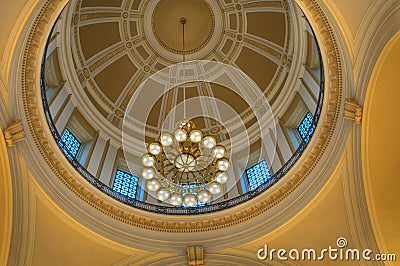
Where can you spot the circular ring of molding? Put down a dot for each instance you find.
(189, 51)
(119, 214)
(110, 126)
(174, 55)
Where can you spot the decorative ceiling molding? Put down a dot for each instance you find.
(92, 66)
(189, 51)
(38, 132)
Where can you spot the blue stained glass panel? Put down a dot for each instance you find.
(306, 127)
(125, 184)
(70, 144)
(258, 174)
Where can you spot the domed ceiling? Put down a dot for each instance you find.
(116, 45)
(109, 63)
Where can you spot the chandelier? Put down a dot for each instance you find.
(185, 167)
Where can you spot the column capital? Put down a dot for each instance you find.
(353, 111)
(14, 133)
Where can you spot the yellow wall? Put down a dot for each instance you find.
(56, 238)
(381, 146)
(5, 201)
(14, 14)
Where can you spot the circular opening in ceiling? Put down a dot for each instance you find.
(167, 26)
(87, 87)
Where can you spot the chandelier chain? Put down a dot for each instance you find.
(185, 168)
(183, 21)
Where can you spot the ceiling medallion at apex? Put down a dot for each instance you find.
(185, 167)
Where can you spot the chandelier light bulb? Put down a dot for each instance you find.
(148, 160)
(219, 152)
(154, 148)
(221, 177)
(176, 199)
(148, 173)
(215, 188)
(166, 139)
(180, 135)
(204, 196)
(162, 194)
(223, 164)
(190, 200)
(195, 136)
(209, 142)
(153, 184)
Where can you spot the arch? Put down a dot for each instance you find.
(380, 146)
(105, 216)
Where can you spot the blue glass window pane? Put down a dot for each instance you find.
(306, 127)
(70, 144)
(125, 184)
(258, 175)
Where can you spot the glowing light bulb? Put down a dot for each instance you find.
(162, 194)
(166, 139)
(154, 148)
(221, 177)
(195, 136)
(190, 200)
(215, 188)
(204, 196)
(148, 173)
(223, 164)
(176, 199)
(148, 160)
(180, 135)
(153, 184)
(209, 142)
(219, 152)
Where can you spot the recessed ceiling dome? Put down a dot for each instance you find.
(166, 24)
(134, 41)
(114, 78)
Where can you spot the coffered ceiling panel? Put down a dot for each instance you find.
(221, 92)
(95, 38)
(257, 66)
(95, 3)
(123, 68)
(146, 37)
(257, 22)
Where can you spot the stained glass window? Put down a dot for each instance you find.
(70, 144)
(258, 174)
(125, 184)
(306, 127)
